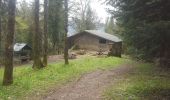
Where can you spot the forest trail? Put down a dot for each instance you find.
(89, 86)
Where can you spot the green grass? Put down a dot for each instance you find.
(28, 81)
(145, 82)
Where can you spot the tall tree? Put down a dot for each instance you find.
(0, 23)
(45, 32)
(66, 31)
(8, 73)
(0, 31)
(36, 39)
(56, 24)
(112, 27)
(83, 16)
(24, 22)
(109, 25)
(4, 22)
(145, 27)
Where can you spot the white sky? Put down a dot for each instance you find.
(97, 6)
(100, 8)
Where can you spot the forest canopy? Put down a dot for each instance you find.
(145, 25)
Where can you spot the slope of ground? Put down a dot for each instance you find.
(144, 82)
(90, 86)
(36, 82)
(90, 78)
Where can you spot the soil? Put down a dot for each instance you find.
(89, 86)
(56, 58)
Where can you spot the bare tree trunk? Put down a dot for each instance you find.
(0, 23)
(45, 32)
(1, 62)
(66, 31)
(8, 73)
(36, 39)
(0, 33)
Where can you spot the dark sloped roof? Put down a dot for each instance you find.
(102, 35)
(19, 46)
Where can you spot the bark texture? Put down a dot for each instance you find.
(45, 32)
(8, 73)
(66, 31)
(37, 39)
(0, 22)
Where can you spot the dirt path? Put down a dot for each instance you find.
(89, 86)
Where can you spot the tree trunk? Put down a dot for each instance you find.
(0, 24)
(66, 31)
(8, 73)
(45, 32)
(36, 39)
(1, 33)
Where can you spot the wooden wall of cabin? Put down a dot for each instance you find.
(90, 42)
(115, 49)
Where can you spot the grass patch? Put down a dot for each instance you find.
(28, 81)
(145, 82)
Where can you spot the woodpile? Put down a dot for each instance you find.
(72, 56)
(81, 52)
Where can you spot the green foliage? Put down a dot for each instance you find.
(109, 25)
(145, 83)
(24, 22)
(3, 10)
(3, 14)
(147, 41)
(56, 23)
(145, 26)
(113, 27)
(28, 81)
(83, 16)
(22, 30)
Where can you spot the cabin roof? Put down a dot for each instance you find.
(100, 34)
(19, 46)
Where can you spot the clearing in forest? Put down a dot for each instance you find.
(90, 78)
(88, 87)
(136, 81)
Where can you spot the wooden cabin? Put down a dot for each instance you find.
(22, 52)
(96, 41)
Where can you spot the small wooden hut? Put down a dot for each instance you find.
(22, 51)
